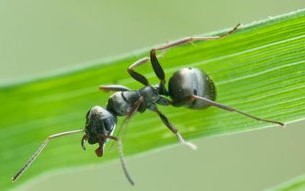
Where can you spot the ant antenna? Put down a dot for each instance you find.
(40, 149)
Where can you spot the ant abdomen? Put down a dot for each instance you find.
(187, 82)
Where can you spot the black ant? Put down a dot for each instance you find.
(188, 87)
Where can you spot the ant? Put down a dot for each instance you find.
(188, 87)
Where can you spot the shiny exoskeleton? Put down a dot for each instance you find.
(188, 82)
(190, 87)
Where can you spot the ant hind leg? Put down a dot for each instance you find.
(232, 109)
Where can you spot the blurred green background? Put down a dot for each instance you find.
(39, 37)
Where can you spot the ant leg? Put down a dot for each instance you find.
(159, 72)
(229, 108)
(40, 149)
(122, 159)
(174, 130)
(157, 69)
(135, 75)
(157, 66)
(191, 39)
(115, 88)
(130, 114)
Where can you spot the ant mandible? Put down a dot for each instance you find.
(188, 87)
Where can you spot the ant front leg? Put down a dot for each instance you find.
(130, 114)
(114, 88)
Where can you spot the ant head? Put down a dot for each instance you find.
(99, 123)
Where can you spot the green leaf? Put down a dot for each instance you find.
(295, 184)
(259, 69)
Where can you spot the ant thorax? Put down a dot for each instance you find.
(150, 95)
(122, 102)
